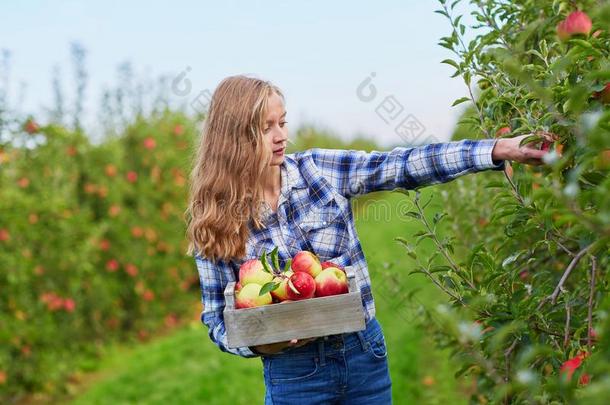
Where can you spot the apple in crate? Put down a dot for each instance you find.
(331, 281)
(281, 292)
(306, 262)
(301, 286)
(252, 271)
(248, 297)
(328, 264)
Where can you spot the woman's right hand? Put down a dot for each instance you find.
(273, 348)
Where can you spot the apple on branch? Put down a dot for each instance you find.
(577, 23)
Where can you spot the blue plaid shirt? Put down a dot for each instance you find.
(314, 211)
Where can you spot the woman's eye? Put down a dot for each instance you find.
(283, 123)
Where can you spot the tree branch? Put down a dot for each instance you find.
(590, 305)
(566, 334)
(564, 277)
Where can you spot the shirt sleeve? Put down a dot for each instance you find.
(213, 279)
(355, 172)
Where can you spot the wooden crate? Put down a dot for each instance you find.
(280, 322)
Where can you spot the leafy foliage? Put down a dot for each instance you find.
(524, 261)
(92, 245)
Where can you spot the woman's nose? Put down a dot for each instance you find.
(281, 137)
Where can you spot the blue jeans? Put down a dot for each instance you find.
(351, 368)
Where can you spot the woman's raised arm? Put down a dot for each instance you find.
(355, 172)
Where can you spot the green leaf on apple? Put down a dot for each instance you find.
(274, 259)
(268, 287)
(287, 265)
(265, 263)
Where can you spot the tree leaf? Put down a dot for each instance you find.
(460, 101)
(452, 63)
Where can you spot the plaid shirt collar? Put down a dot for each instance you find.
(290, 178)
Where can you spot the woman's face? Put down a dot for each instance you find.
(275, 132)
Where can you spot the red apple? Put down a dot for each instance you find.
(604, 95)
(304, 286)
(131, 269)
(306, 262)
(502, 131)
(112, 265)
(132, 176)
(328, 264)
(331, 281)
(569, 366)
(110, 170)
(69, 305)
(178, 130)
(577, 22)
(149, 143)
(148, 295)
(247, 297)
(281, 292)
(31, 127)
(252, 271)
(23, 182)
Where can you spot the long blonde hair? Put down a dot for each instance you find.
(230, 161)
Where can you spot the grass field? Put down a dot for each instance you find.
(187, 368)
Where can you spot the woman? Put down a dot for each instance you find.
(247, 196)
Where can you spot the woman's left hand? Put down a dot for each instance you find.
(531, 153)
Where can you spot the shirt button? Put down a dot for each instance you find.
(337, 345)
(324, 223)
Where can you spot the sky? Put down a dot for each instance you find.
(320, 53)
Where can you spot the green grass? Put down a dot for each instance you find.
(186, 367)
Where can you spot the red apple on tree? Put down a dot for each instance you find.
(149, 142)
(132, 176)
(31, 127)
(503, 131)
(331, 281)
(306, 262)
(604, 95)
(576, 23)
